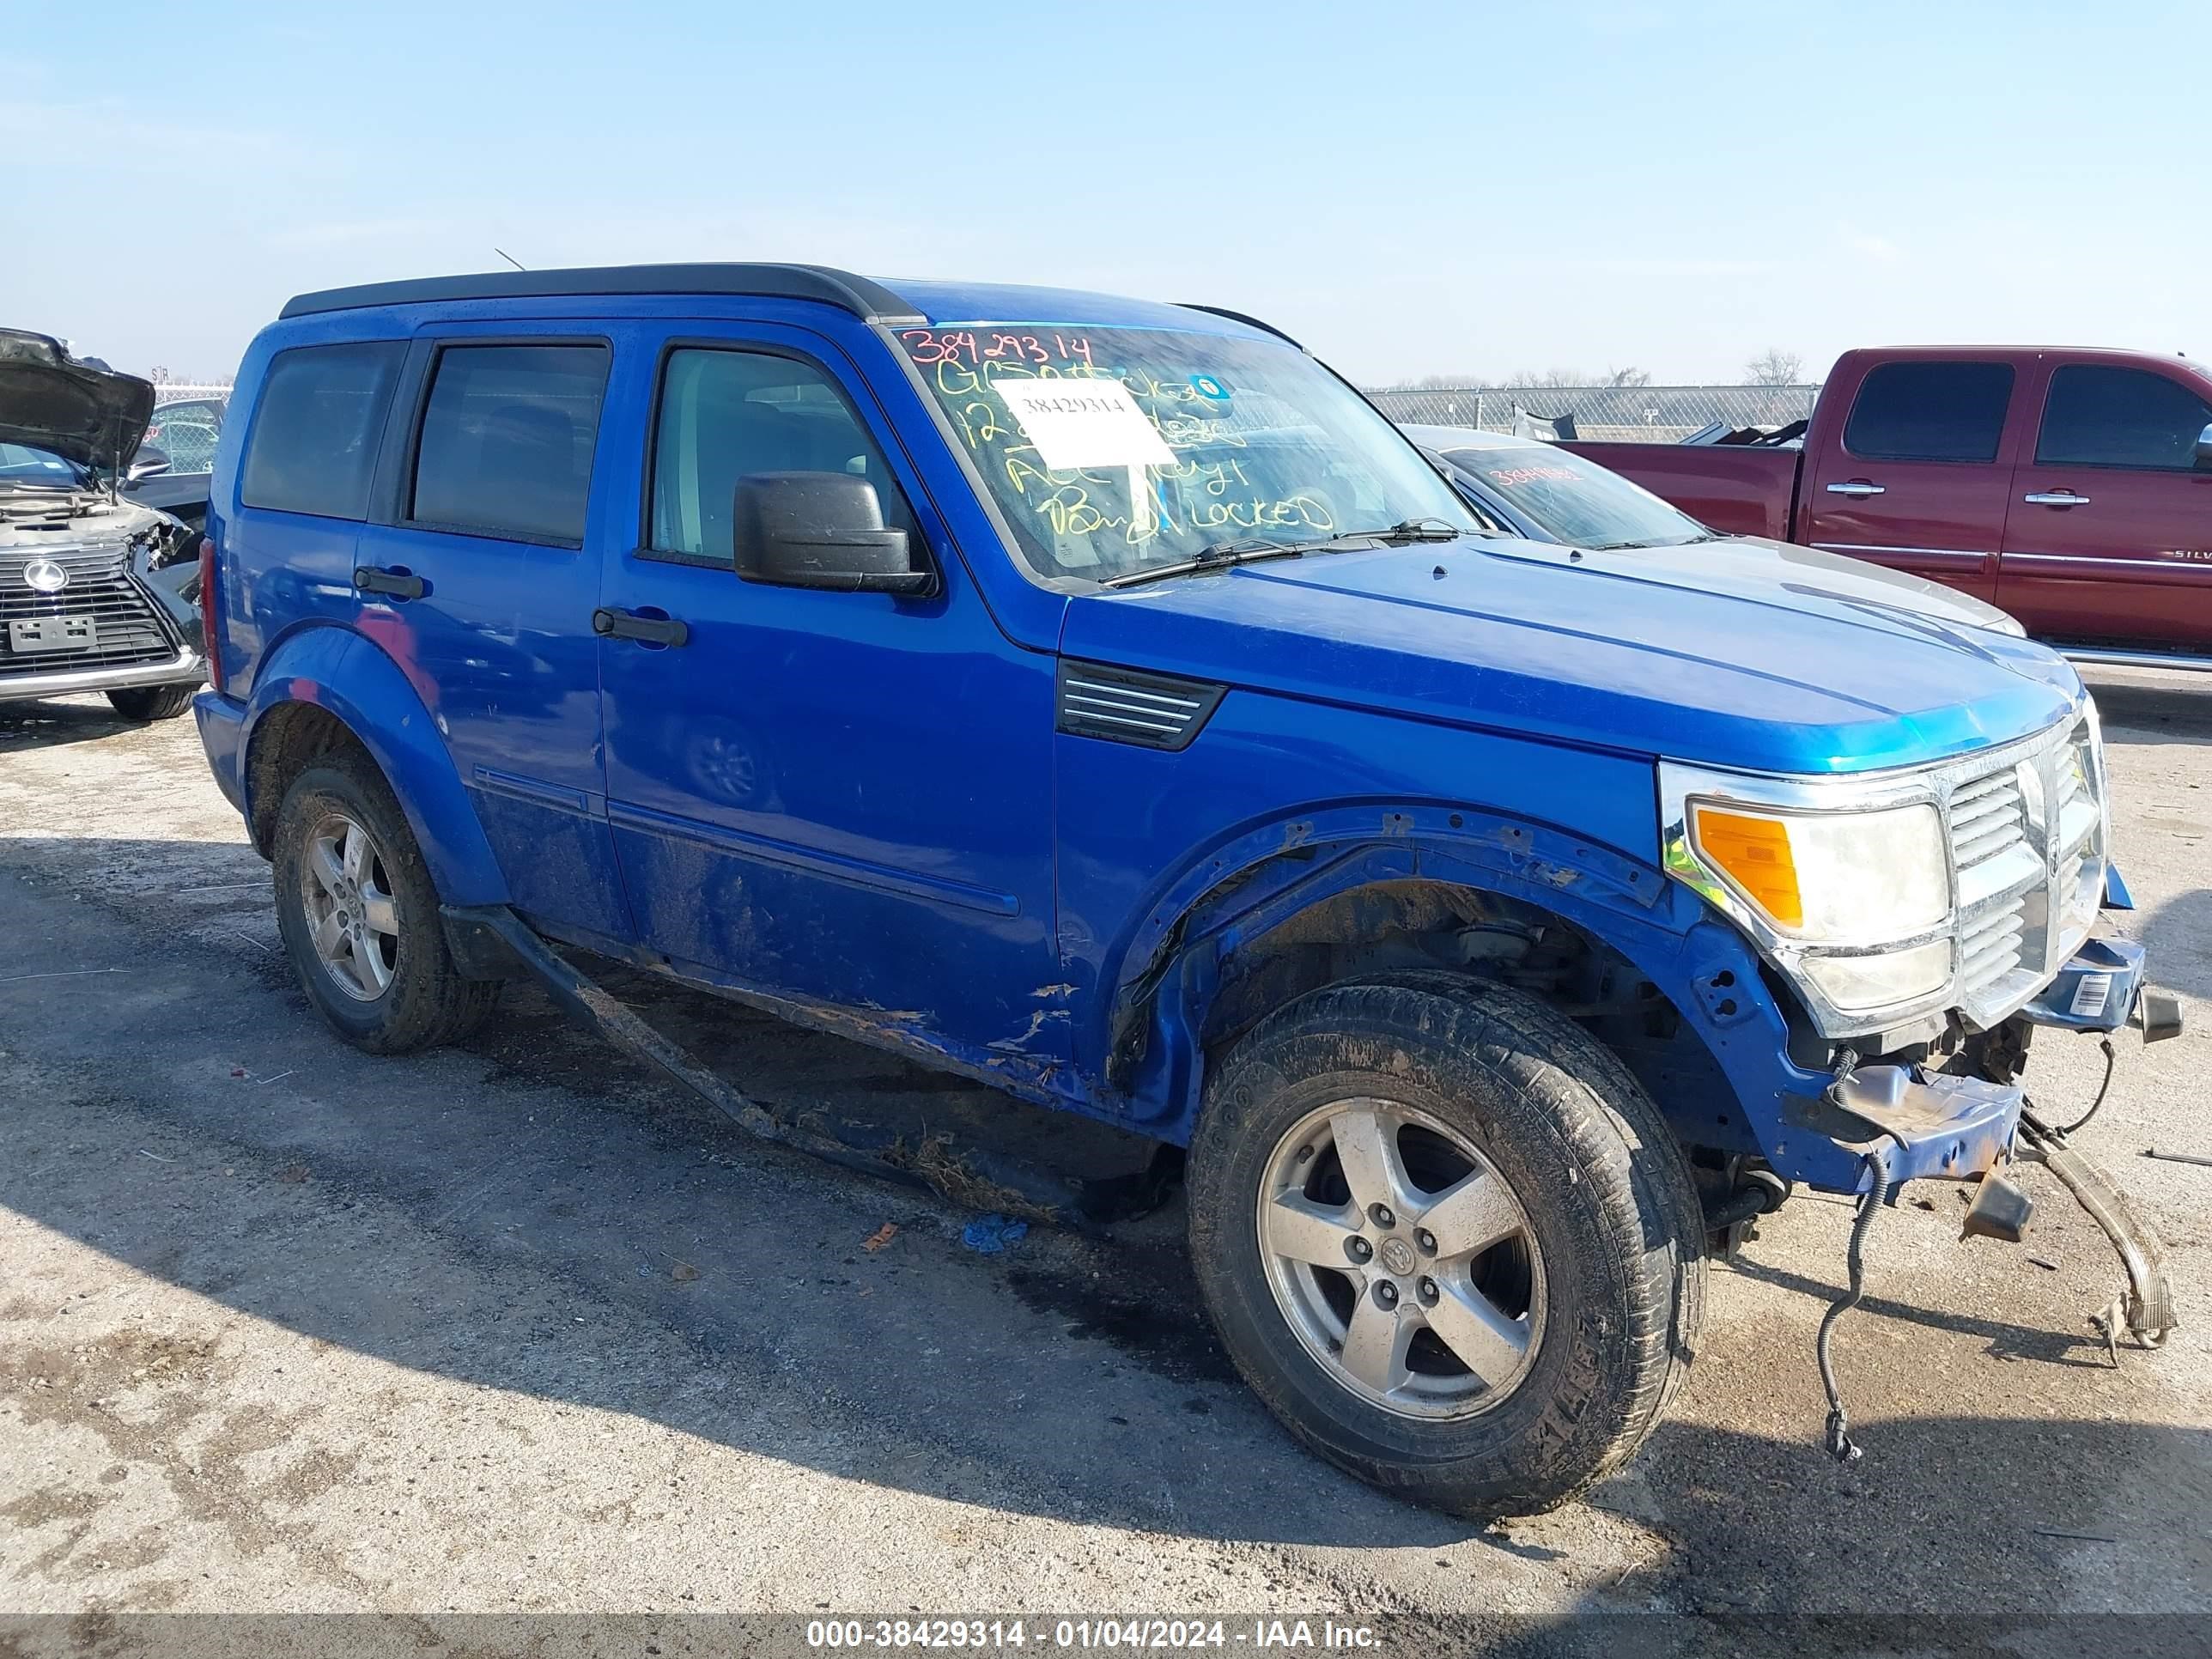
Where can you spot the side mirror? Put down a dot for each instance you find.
(147, 462)
(820, 529)
(2204, 447)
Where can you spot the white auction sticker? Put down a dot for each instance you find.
(2091, 995)
(1084, 423)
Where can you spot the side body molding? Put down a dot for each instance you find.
(336, 668)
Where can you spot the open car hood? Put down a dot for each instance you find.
(49, 400)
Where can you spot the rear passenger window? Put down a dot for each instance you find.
(317, 428)
(726, 414)
(1930, 413)
(2101, 417)
(506, 440)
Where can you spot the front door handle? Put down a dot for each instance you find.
(1856, 488)
(2055, 498)
(628, 625)
(397, 584)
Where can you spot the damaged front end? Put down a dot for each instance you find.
(97, 592)
(1906, 1122)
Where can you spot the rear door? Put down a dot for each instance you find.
(1916, 477)
(474, 575)
(2109, 535)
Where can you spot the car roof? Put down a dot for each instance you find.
(894, 303)
(1445, 438)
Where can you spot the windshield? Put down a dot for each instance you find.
(1112, 450)
(25, 467)
(1577, 499)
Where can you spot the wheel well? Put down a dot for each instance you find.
(1390, 925)
(287, 740)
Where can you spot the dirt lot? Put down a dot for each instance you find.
(520, 1328)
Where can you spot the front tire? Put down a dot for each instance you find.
(152, 703)
(1447, 1239)
(358, 912)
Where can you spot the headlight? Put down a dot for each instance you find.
(1835, 877)
(1845, 883)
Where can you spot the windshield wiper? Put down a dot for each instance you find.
(1218, 556)
(1252, 549)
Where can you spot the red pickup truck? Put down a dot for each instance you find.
(2070, 488)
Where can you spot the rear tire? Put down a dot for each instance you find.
(358, 912)
(1480, 1378)
(152, 703)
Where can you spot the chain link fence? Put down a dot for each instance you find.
(1618, 414)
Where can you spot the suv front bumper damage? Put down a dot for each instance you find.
(1905, 1123)
(1924, 1125)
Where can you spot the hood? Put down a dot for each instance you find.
(1768, 665)
(1734, 560)
(93, 417)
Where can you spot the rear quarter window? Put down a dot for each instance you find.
(1932, 411)
(318, 427)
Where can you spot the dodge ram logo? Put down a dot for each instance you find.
(44, 576)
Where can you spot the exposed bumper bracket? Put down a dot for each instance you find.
(2147, 1307)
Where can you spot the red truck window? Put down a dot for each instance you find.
(1930, 411)
(2098, 416)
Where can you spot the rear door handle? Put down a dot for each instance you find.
(2055, 498)
(398, 584)
(627, 625)
(1856, 486)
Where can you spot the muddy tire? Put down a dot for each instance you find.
(152, 703)
(359, 914)
(1516, 1320)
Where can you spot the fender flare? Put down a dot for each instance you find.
(336, 668)
(1167, 972)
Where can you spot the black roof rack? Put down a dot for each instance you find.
(1239, 317)
(869, 301)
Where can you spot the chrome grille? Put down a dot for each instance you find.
(1987, 819)
(1988, 948)
(127, 631)
(2027, 842)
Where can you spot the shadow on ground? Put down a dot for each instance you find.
(39, 725)
(507, 1216)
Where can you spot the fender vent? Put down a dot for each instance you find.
(1153, 711)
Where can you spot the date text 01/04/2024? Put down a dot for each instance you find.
(1087, 1634)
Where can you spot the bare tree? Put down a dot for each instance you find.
(1774, 366)
(1630, 376)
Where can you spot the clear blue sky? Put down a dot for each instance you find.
(1411, 188)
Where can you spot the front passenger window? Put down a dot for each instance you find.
(2102, 415)
(724, 415)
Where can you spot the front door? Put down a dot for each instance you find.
(474, 575)
(1918, 479)
(840, 799)
(2110, 532)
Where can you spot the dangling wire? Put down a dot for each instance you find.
(2110, 1058)
(1840, 1446)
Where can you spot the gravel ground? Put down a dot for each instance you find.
(518, 1328)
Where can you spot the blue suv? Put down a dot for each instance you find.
(1100, 699)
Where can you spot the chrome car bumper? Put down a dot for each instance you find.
(182, 668)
